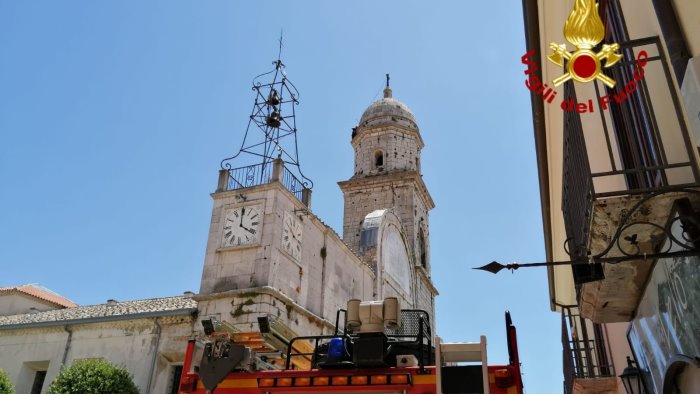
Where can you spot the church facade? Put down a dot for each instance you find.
(272, 269)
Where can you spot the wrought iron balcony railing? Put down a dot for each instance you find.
(292, 183)
(259, 174)
(249, 176)
(585, 352)
(635, 142)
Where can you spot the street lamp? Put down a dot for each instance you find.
(632, 379)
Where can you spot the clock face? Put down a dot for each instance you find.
(291, 236)
(242, 226)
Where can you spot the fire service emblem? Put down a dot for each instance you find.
(584, 29)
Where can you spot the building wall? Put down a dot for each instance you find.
(130, 343)
(26, 351)
(320, 282)
(16, 303)
(616, 338)
(401, 150)
(425, 295)
(374, 194)
(240, 267)
(399, 192)
(688, 14)
(641, 21)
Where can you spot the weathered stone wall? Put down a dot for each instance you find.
(326, 276)
(425, 295)
(401, 195)
(239, 267)
(401, 149)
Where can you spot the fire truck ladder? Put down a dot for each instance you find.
(455, 377)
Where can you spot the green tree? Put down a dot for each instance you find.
(93, 376)
(5, 384)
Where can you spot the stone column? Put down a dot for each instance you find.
(277, 170)
(222, 185)
(306, 197)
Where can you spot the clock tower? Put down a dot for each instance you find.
(387, 184)
(272, 269)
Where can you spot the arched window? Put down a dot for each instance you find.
(423, 254)
(379, 159)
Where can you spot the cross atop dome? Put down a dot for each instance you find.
(387, 90)
(386, 111)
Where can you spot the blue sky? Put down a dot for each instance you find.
(114, 117)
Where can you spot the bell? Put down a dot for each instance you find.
(273, 98)
(274, 120)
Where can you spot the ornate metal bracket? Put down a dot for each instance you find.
(679, 237)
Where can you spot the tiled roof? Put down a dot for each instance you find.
(113, 311)
(41, 293)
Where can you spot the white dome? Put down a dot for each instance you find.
(388, 111)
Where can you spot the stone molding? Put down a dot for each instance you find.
(362, 183)
(272, 292)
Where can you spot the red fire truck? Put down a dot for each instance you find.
(379, 349)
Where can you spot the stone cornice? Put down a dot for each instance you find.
(133, 324)
(272, 292)
(259, 188)
(362, 132)
(426, 279)
(361, 182)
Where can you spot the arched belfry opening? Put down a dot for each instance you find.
(378, 159)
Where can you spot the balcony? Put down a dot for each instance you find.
(587, 363)
(628, 167)
(264, 173)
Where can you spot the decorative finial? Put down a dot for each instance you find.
(387, 90)
(279, 54)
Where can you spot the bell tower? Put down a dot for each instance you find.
(387, 176)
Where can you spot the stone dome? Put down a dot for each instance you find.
(388, 111)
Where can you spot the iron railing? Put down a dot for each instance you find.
(623, 148)
(577, 193)
(413, 336)
(249, 176)
(292, 183)
(585, 353)
(260, 174)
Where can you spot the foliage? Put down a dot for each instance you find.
(93, 376)
(5, 384)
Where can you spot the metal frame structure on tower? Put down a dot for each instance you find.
(274, 115)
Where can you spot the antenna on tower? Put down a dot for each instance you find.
(274, 117)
